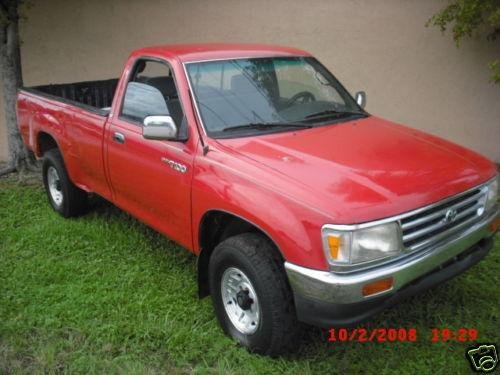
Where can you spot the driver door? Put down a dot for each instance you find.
(141, 171)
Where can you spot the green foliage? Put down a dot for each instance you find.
(105, 294)
(469, 18)
(495, 68)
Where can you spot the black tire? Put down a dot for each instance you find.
(73, 200)
(277, 329)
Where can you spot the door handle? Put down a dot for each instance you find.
(118, 137)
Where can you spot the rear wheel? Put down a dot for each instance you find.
(251, 296)
(64, 196)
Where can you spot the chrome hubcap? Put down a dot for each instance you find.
(54, 183)
(240, 300)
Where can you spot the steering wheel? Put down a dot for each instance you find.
(301, 97)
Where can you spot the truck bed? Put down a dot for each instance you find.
(74, 115)
(95, 96)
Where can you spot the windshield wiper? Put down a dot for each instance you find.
(267, 125)
(333, 113)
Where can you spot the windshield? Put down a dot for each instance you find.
(247, 96)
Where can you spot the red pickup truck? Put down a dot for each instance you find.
(300, 205)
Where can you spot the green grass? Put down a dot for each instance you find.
(104, 294)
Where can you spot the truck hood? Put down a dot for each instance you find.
(363, 170)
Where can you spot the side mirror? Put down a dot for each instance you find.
(160, 128)
(361, 98)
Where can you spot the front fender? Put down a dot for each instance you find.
(236, 187)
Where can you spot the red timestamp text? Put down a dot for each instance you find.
(447, 334)
(401, 334)
(375, 334)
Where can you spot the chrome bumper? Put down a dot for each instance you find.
(346, 288)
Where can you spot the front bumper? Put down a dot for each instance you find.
(332, 299)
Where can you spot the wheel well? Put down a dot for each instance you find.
(215, 227)
(45, 143)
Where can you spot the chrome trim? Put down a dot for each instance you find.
(245, 317)
(182, 168)
(443, 235)
(457, 210)
(118, 137)
(440, 212)
(432, 227)
(360, 98)
(159, 128)
(344, 288)
(54, 186)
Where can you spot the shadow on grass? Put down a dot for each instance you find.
(99, 206)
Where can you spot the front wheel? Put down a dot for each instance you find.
(251, 296)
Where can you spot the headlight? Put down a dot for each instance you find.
(352, 247)
(491, 194)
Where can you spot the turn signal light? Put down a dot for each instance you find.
(333, 245)
(377, 286)
(495, 225)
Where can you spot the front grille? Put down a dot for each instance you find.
(428, 226)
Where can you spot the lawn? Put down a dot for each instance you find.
(105, 294)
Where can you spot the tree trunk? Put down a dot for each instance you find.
(20, 158)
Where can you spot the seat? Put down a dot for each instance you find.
(243, 103)
(166, 85)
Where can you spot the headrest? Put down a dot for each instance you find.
(164, 84)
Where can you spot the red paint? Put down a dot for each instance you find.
(288, 184)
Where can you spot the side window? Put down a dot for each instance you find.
(151, 91)
(142, 100)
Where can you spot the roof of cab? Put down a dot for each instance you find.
(215, 51)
